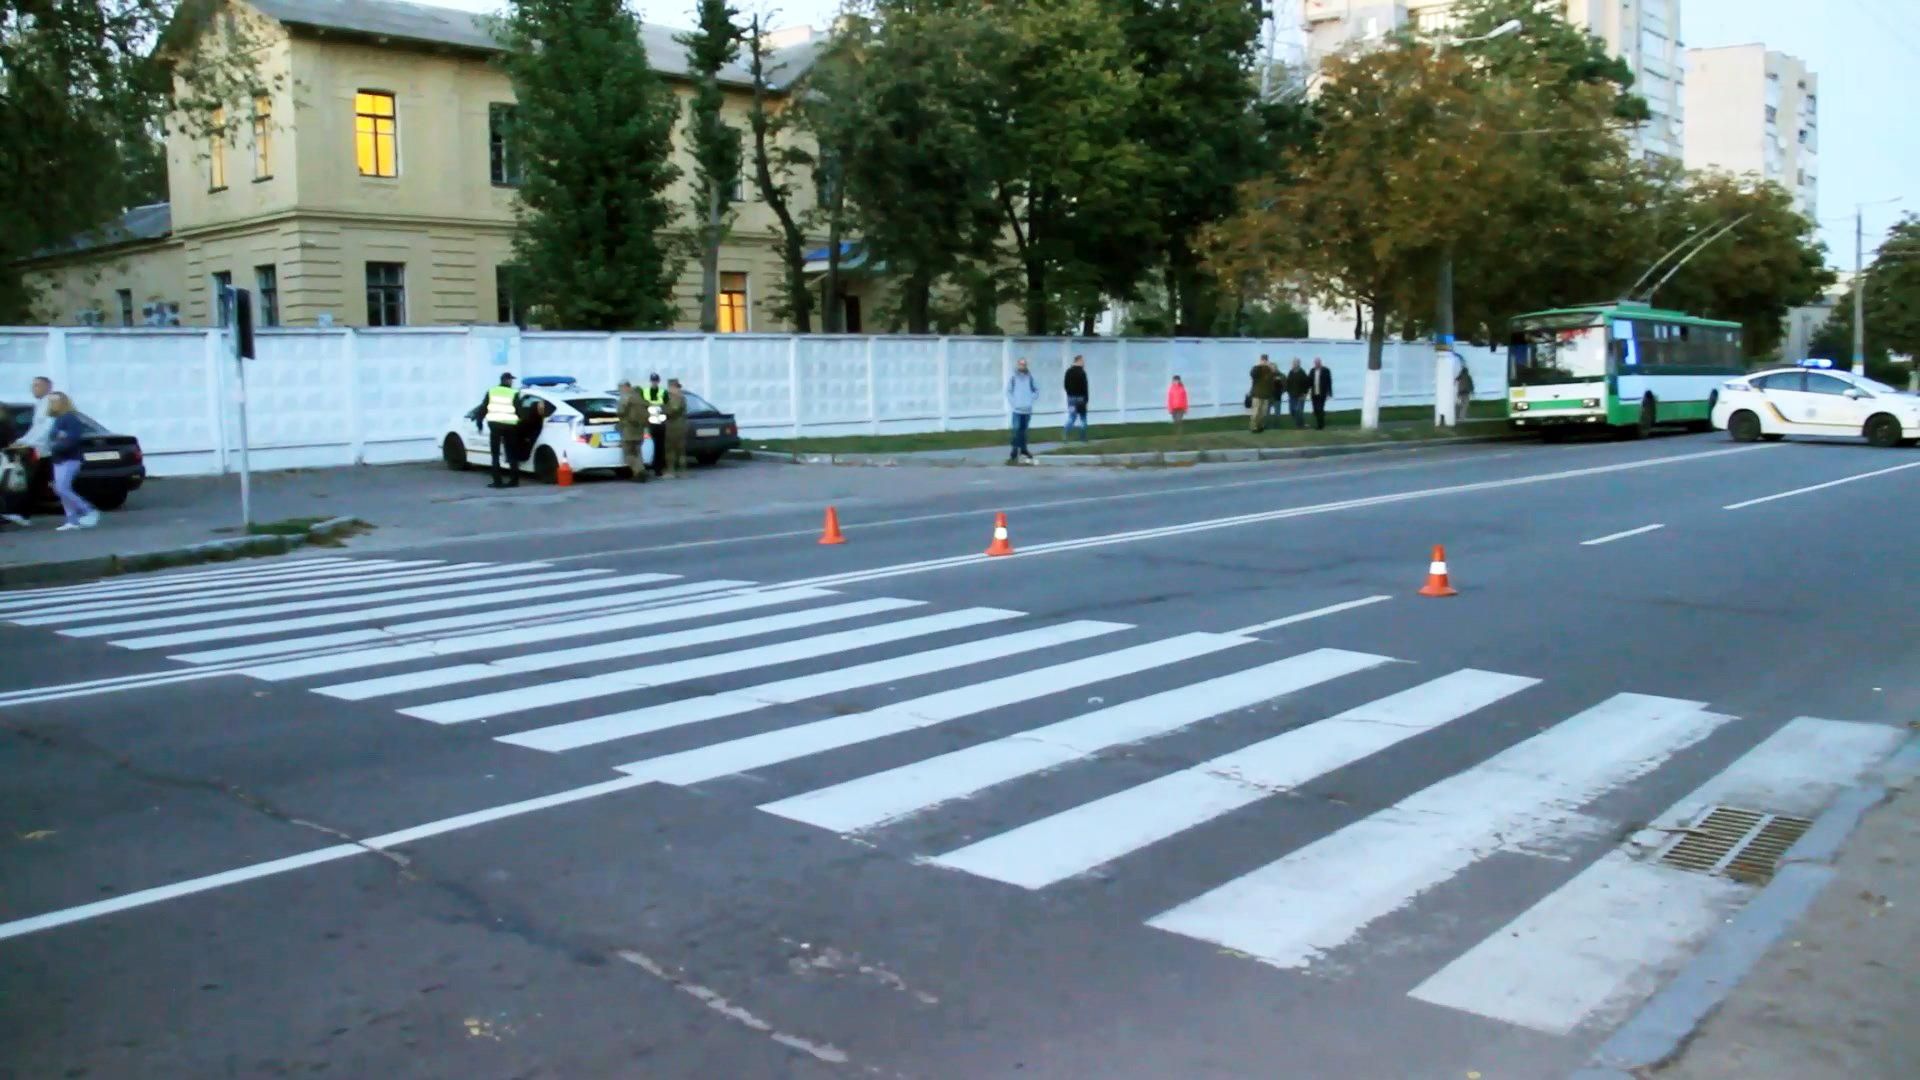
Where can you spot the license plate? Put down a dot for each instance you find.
(707, 431)
(609, 438)
(104, 455)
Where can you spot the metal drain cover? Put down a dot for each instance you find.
(1745, 845)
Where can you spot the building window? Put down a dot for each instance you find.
(733, 303)
(262, 137)
(850, 314)
(375, 146)
(502, 162)
(507, 305)
(386, 294)
(217, 152)
(125, 296)
(222, 281)
(1772, 114)
(1803, 136)
(266, 282)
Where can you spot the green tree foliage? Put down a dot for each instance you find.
(594, 126)
(715, 145)
(1893, 309)
(774, 166)
(87, 88)
(1547, 43)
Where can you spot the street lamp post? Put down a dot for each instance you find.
(1860, 283)
(1445, 404)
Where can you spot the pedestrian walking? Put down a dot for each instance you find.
(633, 432)
(499, 410)
(16, 473)
(1297, 386)
(1319, 389)
(655, 397)
(1265, 379)
(65, 439)
(1022, 394)
(1076, 388)
(1463, 392)
(33, 445)
(675, 410)
(1177, 404)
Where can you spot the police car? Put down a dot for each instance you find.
(582, 428)
(1812, 398)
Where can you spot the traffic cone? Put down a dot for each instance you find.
(1000, 545)
(831, 535)
(564, 477)
(1437, 583)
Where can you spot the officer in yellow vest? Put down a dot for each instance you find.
(655, 397)
(500, 408)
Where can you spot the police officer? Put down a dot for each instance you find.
(655, 397)
(501, 413)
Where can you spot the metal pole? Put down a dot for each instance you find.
(240, 398)
(1444, 407)
(1859, 292)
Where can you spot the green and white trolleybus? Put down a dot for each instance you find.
(1621, 365)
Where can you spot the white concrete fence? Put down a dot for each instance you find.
(341, 397)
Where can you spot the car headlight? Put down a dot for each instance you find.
(1591, 403)
(1519, 406)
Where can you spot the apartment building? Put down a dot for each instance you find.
(374, 186)
(1756, 112)
(1645, 33)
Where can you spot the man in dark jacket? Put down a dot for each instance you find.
(1297, 386)
(1320, 388)
(1076, 388)
(1266, 379)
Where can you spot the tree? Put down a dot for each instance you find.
(594, 127)
(715, 144)
(88, 89)
(830, 111)
(1547, 43)
(1893, 308)
(773, 168)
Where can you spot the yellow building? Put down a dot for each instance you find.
(371, 187)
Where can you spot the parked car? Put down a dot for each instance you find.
(1812, 399)
(710, 432)
(111, 467)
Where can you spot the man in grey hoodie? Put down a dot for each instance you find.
(1022, 393)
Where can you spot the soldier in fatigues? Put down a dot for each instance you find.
(633, 431)
(676, 426)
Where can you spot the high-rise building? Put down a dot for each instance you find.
(1756, 112)
(1644, 33)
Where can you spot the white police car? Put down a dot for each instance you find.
(582, 428)
(1813, 399)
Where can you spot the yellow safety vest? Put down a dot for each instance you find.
(500, 408)
(653, 395)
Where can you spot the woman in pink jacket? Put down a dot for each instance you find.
(1177, 402)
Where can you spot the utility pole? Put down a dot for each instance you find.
(1859, 290)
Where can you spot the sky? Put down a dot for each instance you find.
(1865, 52)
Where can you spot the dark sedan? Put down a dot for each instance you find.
(710, 432)
(111, 466)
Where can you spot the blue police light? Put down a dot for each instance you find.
(548, 380)
(1816, 363)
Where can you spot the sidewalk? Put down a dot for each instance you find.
(1839, 995)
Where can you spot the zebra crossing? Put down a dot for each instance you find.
(640, 666)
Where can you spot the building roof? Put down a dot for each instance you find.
(153, 221)
(423, 23)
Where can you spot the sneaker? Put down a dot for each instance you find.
(68, 527)
(90, 519)
(15, 519)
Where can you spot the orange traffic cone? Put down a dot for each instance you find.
(564, 477)
(1000, 545)
(831, 535)
(1437, 583)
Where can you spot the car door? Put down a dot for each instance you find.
(1792, 408)
(1835, 410)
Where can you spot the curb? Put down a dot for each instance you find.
(1659, 1032)
(243, 547)
(1149, 458)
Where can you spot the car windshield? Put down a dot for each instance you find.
(1543, 355)
(22, 416)
(596, 408)
(698, 404)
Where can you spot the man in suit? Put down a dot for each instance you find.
(1320, 388)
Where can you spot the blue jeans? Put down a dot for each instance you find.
(1076, 417)
(75, 506)
(1020, 422)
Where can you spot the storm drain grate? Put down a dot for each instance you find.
(1745, 845)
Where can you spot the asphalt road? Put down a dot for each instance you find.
(842, 846)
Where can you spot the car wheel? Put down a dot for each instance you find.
(454, 453)
(1883, 430)
(112, 498)
(706, 459)
(1744, 426)
(546, 466)
(1644, 427)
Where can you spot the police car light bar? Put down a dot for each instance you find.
(548, 380)
(1816, 363)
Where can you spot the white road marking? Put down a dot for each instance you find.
(123, 608)
(1611, 537)
(1093, 834)
(610, 650)
(713, 1000)
(1611, 935)
(1820, 487)
(1526, 796)
(502, 702)
(787, 744)
(1330, 609)
(877, 799)
(123, 589)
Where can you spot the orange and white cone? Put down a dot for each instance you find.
(1437, 583)
(1000, 546)
(831, 535)
(564, 476)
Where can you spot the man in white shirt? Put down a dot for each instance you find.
(39, 437)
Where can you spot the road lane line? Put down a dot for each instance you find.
(126, 608)
(564, 691)
(645, 645)
(1611, 537)
(804, 740)
(120, 589)
(1820, 487)
(1330, 609)
(1591, 946)
(1529, 795)
(1095, 833)
(883, 797)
